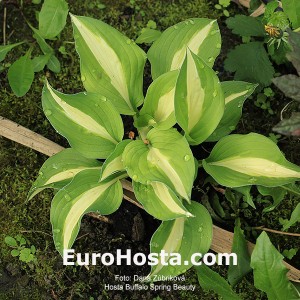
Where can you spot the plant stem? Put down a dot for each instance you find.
(276, 231)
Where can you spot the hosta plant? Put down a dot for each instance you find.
(184, 106)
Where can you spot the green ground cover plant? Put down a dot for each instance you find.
(158, 160)
(52, 20)
(265, 40)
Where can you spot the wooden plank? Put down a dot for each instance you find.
(222, 239)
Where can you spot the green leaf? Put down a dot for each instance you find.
(269, 270)
(292, 9)
(20, 75)
(277, 193)
(159, 102)
(290, 253)
(110, 63)
(289, 85)
(184, 236)
(167, 159)
(46, 49)
(59, 170)
(246, 26)
(289, 126)
(114, 163)
(22, 241)
(159, 201)
(239, 160)
(39, 62)
(201, 36)
(295, 217)
(224, 3)
(210, 280)
(250, 62)
(294, 55)
(52, 18)
(148, 35)
(84, 194)
(199, 99)
(91, 124)
(25, 255)
(10, 241)
(235, 93)
(53, 64)
(15, 252)
(246, 192)
(33, 249)
(226, 13)
(6, 48)
(239, 246)
(270, 10)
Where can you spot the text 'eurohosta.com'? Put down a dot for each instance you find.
(152, 259)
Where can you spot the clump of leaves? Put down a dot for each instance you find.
(251, 60)
(290, 86)
(185, 105)
(222, 5)
(149, 34)
(52, 20)
(21, 248)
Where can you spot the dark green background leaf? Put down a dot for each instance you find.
(210, 280)
(52, 18)
(289, 85)
(250, 62)
(246, 26)
(20, 75)
(269, 270)
(239, 246)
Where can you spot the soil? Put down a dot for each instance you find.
(130, 227)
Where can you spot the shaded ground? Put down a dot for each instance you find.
(48, 278)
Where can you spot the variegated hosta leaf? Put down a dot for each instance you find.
(166, 157)
(235, 93)
(114, 163)
(159, 201)
(59, 169)
(201, 36)
(91, 124)
(199, 99)
(159, 102)
(238, 160)
(185, 236)
(111, 64)
(84, 194)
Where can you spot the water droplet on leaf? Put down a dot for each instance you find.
(83, 78)
(187, 157)
(252, 180)
(134, 177)
(56, 230)
(48, 112)
(67, 197)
